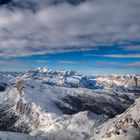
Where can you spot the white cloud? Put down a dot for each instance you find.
(116, 55)
(135, 64)
(132, 48)
(68, 62)
(42, 61)
(112, 64)
(13, 62)
(64, 27)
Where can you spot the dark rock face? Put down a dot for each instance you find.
(77, 104)
(87, 83)
(7, 120)
(2, 86)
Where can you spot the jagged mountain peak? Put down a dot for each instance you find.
(47, 72)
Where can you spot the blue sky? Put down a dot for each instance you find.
(91, 37)
(104, 59)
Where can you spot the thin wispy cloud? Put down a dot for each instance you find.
(16, 62)
(68, 62)
(12, 62)
(135, 65)
(41, 61)
(122, 55)
(104, 64)
(114, 65)
(115, 55)
(132, 48)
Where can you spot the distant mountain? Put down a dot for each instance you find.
(72, 79)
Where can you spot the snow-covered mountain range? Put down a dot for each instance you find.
(66, 105)
(72, 79)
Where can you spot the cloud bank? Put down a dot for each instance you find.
(38, 27)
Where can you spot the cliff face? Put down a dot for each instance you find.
(14, 110)
(3, 86)
(8, 116)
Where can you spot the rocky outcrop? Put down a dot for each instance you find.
(20, 87)
(125, 126)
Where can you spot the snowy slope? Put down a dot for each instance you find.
(62, 111)
(80, 126)
(127, 125)
(32, 118)
(15, 136)
(63, 100)
(123, 127)
(41, 110)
